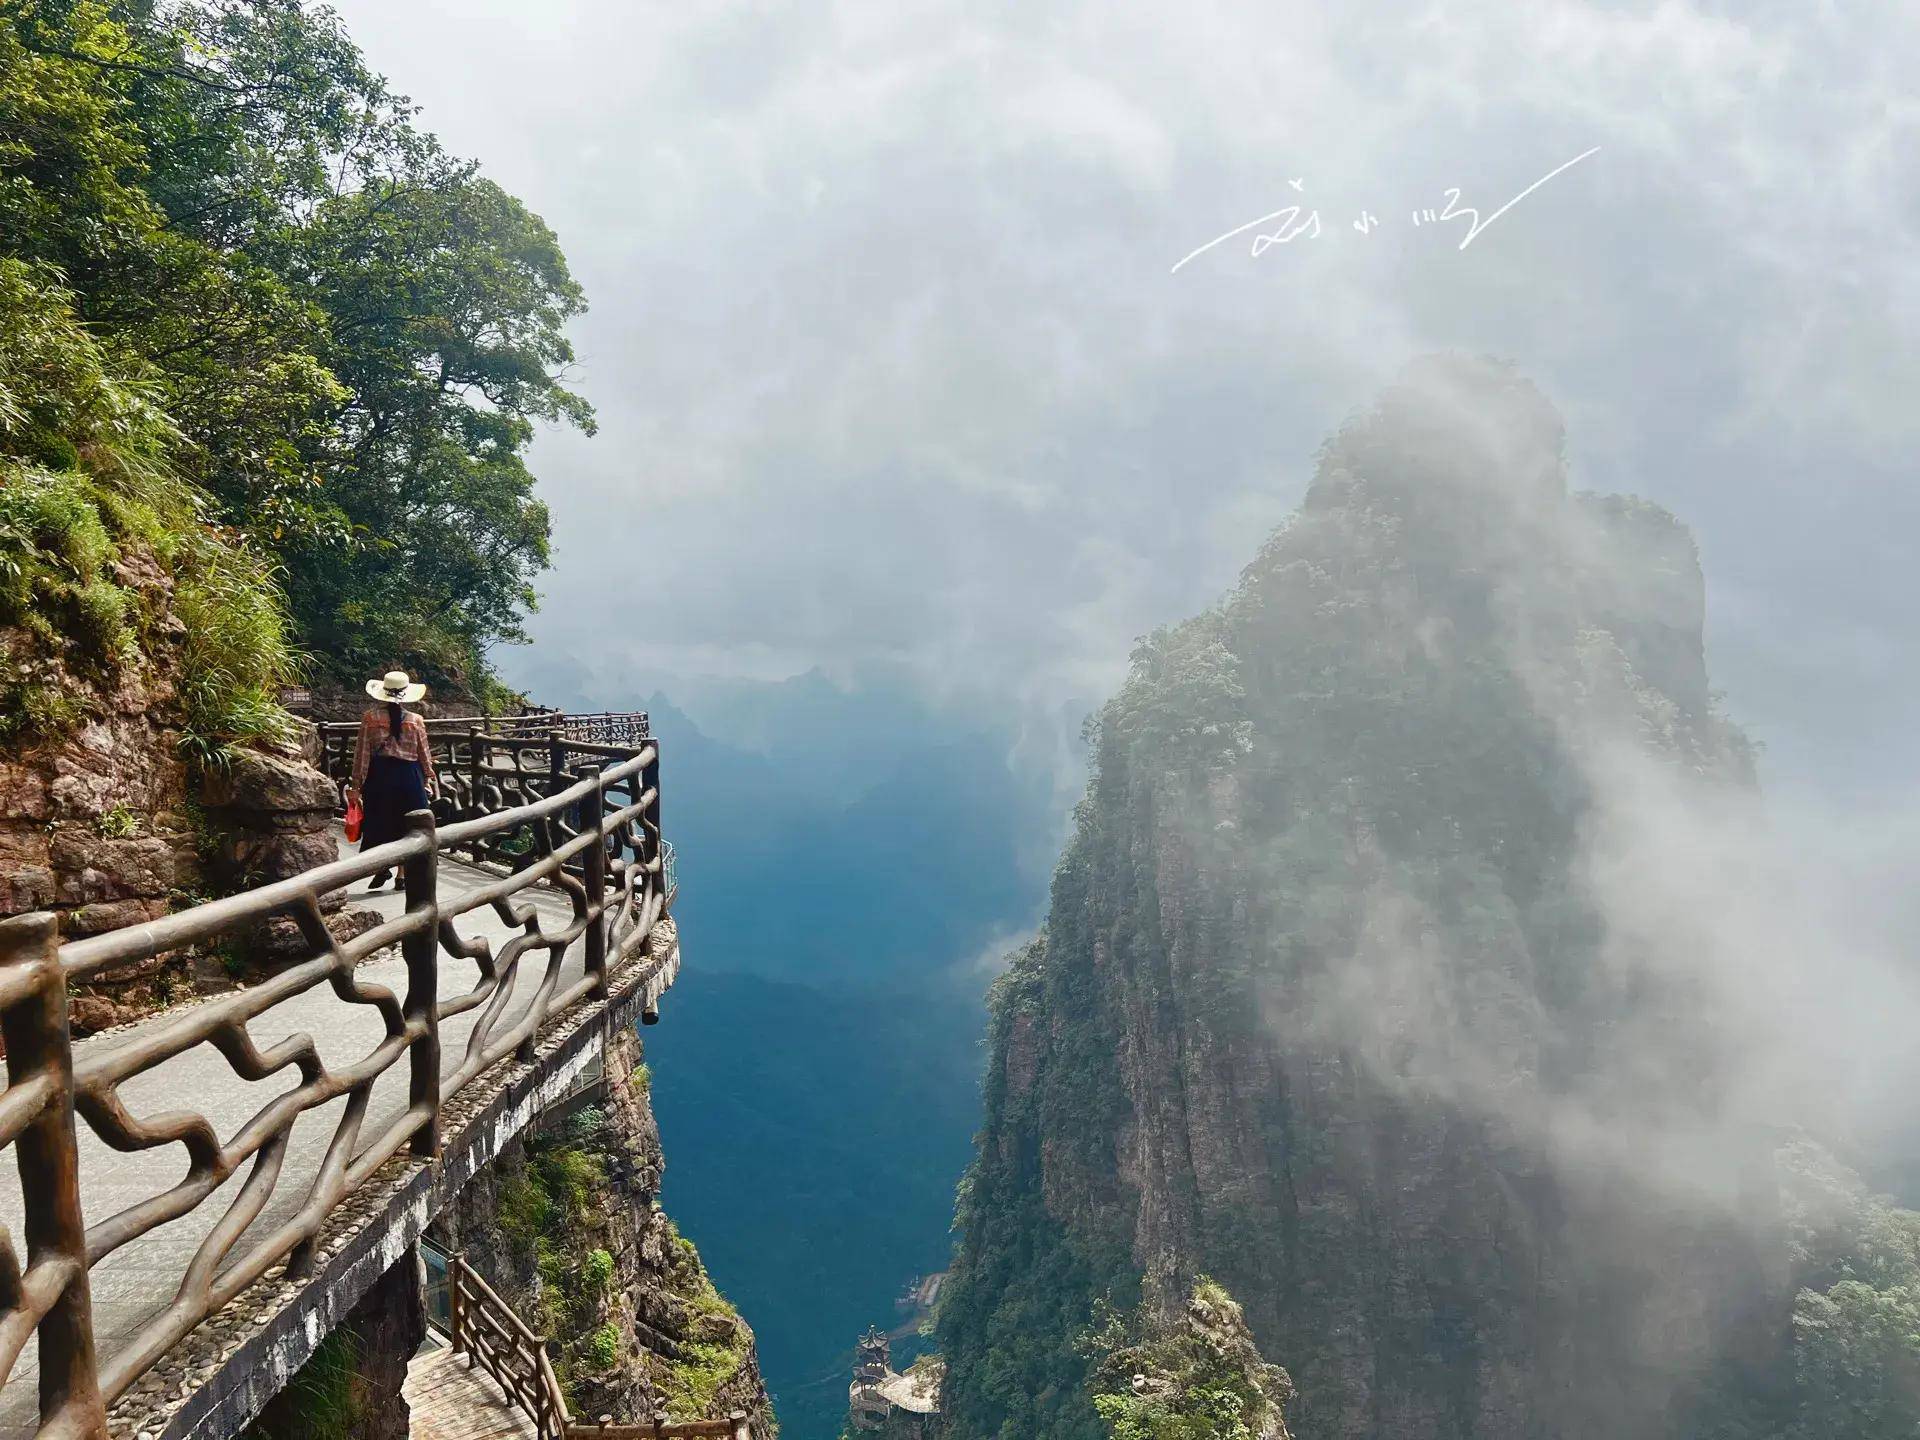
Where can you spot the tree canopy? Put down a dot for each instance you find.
(343, 334)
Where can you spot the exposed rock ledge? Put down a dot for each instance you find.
(567, 1226)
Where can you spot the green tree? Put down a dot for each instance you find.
(352, 332)
(447, 301)
(1857, 1361)
(88, 504)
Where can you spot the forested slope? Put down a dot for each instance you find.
(257, 330)
(1337, 1003)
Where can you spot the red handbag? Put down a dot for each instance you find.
(354, 818)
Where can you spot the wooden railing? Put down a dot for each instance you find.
(484, 771)
(595, 838)
(486, 1330)
(593, 727)
(624, 731)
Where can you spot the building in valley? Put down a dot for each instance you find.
(882, 1401)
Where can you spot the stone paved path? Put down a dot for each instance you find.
(450, 1401)
(140, 1278)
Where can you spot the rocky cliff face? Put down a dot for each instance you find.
(567, 1226)
(94, 814)
(114, 811)
(1329, 1004)
(104, 822)
(1186, 1366)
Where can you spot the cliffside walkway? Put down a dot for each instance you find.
(321, 1115)
(452, 1400)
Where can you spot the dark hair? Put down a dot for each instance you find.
(395, 718)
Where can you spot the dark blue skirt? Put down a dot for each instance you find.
(394, 787)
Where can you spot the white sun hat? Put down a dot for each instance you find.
(396, 688)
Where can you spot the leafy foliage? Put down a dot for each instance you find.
(598, 1269)
(119, 823)
(552, 1207)
(545, 1206)
(231, 256)
(326, 1398)
(1190, 1375)
(236, 652)
(1857, 1361)
(88, 508)
(716, 1347)
(1856, 1315)
(603, 1348)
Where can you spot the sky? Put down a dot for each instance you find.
(892, 362)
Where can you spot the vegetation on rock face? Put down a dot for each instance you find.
(1193, 1374)
(259, 330)
(349, 1387)
(560, 1203)
(715, 1347)
(1327, 982)
(105, 556)
(551, 1208)
(326, 1394)
(1856, 1313)
(1021, 1288)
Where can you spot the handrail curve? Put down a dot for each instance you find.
(578, 823)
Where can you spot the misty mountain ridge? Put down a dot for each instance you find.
(1403, 975)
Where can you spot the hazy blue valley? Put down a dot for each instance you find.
(853, 864)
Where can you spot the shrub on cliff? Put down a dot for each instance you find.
(1856, 1317)
(105, 555)
(1192, 1374)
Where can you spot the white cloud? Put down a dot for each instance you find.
(887, 355)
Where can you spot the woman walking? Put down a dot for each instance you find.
(392, 765)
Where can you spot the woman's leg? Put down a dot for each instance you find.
(379, 808)
(394, 788)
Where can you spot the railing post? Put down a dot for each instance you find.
(421, 948)
(39, 1045)
(738, 1419)
(593, 871)
(474, 769)
(456, 1304)
(440, 761)
(556, 780)
(650, 832)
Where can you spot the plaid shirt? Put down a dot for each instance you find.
(377, 738)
